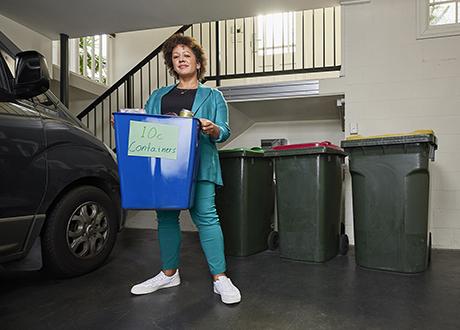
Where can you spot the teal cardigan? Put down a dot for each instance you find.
(209, 104)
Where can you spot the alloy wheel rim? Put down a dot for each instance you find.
(87, 230)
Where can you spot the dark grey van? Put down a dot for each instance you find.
(57, 181)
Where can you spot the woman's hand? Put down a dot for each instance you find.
(209, 128)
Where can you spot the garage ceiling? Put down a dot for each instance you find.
(89, 17)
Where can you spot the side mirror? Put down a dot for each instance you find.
(32, 77)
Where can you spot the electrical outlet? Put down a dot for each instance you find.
(353, 128)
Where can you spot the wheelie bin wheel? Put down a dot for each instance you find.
(343, 244)
(273, 240)
(429, 249)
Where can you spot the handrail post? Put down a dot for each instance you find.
(217, 55)
(130, 92)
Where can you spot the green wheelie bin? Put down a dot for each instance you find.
(309, 199)
(390, 183)
(245, 203)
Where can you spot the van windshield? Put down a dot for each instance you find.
(6, 77)
(9, 61)
(63, 112)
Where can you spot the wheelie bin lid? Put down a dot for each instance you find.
(324, 147)
(419, 136)
(241, 152)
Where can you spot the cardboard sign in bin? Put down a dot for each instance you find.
(157, 160)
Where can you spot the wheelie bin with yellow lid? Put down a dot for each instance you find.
(390, 183)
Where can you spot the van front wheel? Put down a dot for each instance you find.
(80, 232)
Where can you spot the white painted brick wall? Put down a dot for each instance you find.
(396, 83)
(294, 131)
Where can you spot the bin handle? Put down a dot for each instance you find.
(306, 145)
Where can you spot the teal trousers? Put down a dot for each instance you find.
(206, 220)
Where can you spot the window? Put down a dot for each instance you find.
(6, 77)
(443, 12)
(45, 105)
(18, 109)
(88, 56)
(93, 57)
(276, 34)
(10, 61)
(44, 101)
(438, 18)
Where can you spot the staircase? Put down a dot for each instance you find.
(288, 43)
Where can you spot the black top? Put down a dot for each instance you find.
(177, 99)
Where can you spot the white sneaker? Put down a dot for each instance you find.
(160, 281)
(229, 293)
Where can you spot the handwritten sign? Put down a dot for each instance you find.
(152, 140)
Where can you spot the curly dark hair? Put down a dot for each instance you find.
(180, 39)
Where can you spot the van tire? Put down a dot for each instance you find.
(79, 232)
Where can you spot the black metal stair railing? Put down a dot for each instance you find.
(97, 115)
(289, 43)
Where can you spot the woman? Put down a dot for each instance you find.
(186, 61)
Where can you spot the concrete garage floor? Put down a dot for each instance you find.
(277, 294)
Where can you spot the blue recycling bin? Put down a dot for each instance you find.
(157, 160)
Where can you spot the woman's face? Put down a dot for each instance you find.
(184, 61)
